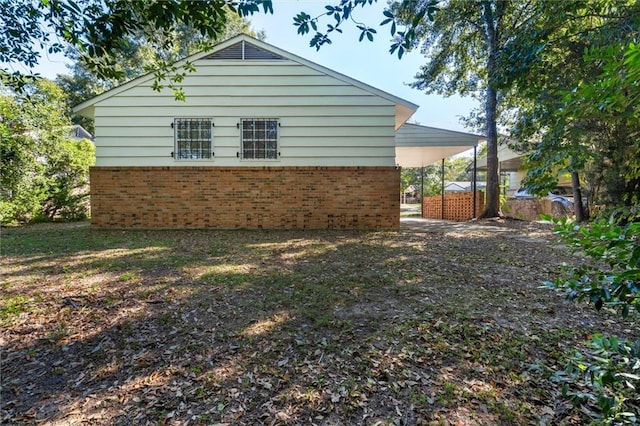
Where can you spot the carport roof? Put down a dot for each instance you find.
(418, 146)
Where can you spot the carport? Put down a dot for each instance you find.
(420, 146)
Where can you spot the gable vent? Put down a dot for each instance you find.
(244, 51)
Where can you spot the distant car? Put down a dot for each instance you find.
(559, 194)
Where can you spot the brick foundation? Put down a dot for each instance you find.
(457, 206)
(245, 197)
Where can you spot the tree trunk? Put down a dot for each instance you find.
(492, 207)
(578, 207)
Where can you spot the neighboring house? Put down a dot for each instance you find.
(410, 195)
(79, 133)
(511, 166)
(463, 186)
(265, 139)
(519, 203)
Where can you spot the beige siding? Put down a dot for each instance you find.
(336, 88)
(197, 101)
(324, 121)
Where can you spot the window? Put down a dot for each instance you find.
(193, 138)
(259, 137)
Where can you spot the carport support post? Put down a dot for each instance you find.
(442, 191)
(422, 191)
(475, 178)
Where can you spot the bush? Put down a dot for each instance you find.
(44, 174)
(604, 380)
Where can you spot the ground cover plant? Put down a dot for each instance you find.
(422, 325)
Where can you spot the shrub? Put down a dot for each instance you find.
(43, 173)
(604, 379)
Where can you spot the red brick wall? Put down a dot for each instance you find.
(245, 197)
(457, 206)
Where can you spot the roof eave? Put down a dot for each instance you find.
(403, 113)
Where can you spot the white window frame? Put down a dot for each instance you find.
(186, 147)
(262, 146)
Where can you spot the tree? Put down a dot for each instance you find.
(141, 55)
(577, 103)
(428, 178)
(455, 169)
(464, 42)
(608, 109)
(93, 30)
(44, 172)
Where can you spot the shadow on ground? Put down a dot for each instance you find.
(443, 324)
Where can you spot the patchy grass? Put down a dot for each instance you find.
(12, 307)
(443, 325)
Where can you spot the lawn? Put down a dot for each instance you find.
(440, 325)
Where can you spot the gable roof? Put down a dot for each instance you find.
(78, 132)
(463, 186)
(258, 50)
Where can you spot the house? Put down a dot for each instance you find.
(511, 166)
(78, 133)
(519, 203)
(265, 139)
(463, 186)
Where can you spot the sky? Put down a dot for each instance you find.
(368, 62)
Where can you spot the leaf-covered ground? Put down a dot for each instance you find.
(429, 324)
